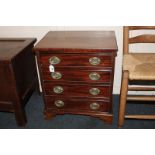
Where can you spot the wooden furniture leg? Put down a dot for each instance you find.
(20, 114)
(124, 90)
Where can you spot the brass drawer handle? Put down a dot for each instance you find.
(94, 91)
(58, 89)
(94, 76)
(56, 75)
(94, 61)
(59, 103)
(54, 60)
(94, 106)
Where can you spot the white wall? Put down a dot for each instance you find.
(39, 31)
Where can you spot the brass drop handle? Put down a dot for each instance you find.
(54, 60)
(94, 61)
(56, 75)
(58, 89)
(94, 106)
(94, 91)
(94, 76)
(59, 103)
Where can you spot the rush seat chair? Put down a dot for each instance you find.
(136, 67)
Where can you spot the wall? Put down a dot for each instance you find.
(39, 31)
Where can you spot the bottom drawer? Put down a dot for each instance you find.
(77, 104)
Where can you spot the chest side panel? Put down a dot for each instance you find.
(25, 70)
(5, 82)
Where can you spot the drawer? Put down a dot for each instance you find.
(76, 104)
(77, 60)
(85, 74)
(77, 90)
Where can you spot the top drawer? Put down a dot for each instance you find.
(77, 60)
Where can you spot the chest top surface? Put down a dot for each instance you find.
(81, 40)
(10, 47)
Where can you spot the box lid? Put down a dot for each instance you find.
(10, 47)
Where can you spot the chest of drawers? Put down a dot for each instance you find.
(76, 70)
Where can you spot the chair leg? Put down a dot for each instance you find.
(123, 96)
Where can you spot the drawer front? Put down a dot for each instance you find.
(77, 60)
(75, 104)
(77, 90)
(77, 74)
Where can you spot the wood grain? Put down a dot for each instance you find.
(77, 103)
(78, 74)
(93, 40)
(141, 27)
(79, 59)
(77, 90)
(146, 38)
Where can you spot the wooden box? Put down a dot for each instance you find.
(18, 76)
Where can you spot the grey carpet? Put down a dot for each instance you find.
(34, 112)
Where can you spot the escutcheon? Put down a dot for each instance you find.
(54, 60)
(94, 61)
(94, 91)
(94, 76)
(56, 75)
(58, 89)
(59, 103)
(94, 106)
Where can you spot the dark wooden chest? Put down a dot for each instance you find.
(18, 75)
(77, 70)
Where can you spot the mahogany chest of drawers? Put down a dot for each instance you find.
(76, 70)
(18, 76)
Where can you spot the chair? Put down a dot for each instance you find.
(136, 67)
